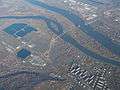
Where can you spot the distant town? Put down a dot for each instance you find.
(59, 44)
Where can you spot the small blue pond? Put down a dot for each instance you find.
(24, 53)
(19, 29)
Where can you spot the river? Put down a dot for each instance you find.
(67, 38)
(81, 24)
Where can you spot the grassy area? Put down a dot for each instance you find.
(2, 22)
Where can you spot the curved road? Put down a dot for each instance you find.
(36, 79)
(43, 76)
